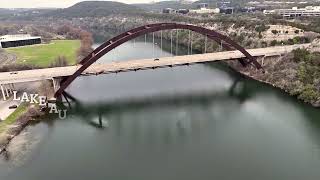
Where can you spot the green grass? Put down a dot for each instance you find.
(13, 117)
(43, 55)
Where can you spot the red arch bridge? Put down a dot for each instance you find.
(63, 76)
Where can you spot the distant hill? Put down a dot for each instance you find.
(159, 6)
(210, 2)
(6, 12)
(95, 9)
(22, 13)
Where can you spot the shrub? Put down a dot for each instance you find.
(60, 61)
(300, 55)
(274, 31)
(273, 43)
(17, 67)
(309, 93)
(290, 42)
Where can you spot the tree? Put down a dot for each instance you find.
(62, 30)
(301, 55)
(86, 44)
(273, 42)
(60, 61)
(290, 41)
(274, 31)
(261, 28)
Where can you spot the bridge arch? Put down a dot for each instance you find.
(142, 30)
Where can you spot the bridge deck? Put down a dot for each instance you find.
(115, 67)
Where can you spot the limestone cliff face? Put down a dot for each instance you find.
(301, 79)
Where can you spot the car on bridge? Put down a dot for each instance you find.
(12, 73)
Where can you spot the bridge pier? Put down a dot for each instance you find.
(4, 97)
(6, 90)
(56, 84)
(263, 60)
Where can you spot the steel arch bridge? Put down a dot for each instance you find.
(151, 28)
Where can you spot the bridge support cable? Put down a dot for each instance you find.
(177, 42)
(134, 33)
(113, 55)
(189, 41)
(191, 45)
(145, 39)
(171, 42)
(153, 45)
(161, 43)
(205, 44)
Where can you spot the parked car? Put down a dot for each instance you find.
(13, 107)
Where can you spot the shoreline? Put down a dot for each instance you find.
(278, 88)
(18, 126)
(248, 74)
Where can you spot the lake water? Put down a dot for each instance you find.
(199, 122)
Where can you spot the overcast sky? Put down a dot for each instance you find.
(52, 3)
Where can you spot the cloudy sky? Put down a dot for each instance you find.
(52, 3)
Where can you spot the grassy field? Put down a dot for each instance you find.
(44, 54)
(13, 117)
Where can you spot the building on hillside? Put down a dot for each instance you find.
(169, 11)
(227, 10)
(203, 5)
(174, 11)
(269, 11)
(205, 11)
(225, 7)
(203, 8)
(296, 12)
(8, 41)
(183, 11)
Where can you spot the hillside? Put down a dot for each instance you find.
(5, 13)
(164, 4)
(94, 9)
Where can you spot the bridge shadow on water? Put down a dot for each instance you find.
(237, 93)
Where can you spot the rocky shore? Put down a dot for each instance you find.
(15, 129)
(283, 73)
